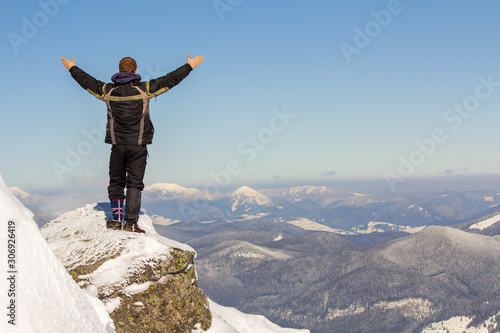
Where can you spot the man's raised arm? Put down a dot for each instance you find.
(162, 84)
(86, 81)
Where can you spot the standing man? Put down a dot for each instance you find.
(129, 129)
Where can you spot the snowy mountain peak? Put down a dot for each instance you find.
(169, 187)
(309, 189)
(20, 194)
(247, 191)
(247, 197)
(174, 190)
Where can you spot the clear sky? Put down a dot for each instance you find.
(290, 92)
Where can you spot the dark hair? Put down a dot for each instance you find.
(128, 65)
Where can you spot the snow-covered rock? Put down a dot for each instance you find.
(147, 281)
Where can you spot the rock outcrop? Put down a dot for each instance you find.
(147, 282)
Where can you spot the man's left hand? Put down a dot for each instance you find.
(68, 64)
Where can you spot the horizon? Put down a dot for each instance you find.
(393, 95)
(413, 185)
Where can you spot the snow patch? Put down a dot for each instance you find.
(353, 309)
(278, 238)
(230, 320)
(372, 227)
(414, 308)
(112, 304)
(307, 224)
(136, 288)
(460, 324)
(160, 220)
(481, 225)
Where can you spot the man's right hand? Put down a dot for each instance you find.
(68, 64)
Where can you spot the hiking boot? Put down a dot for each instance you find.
(133, 228)
(113, 224)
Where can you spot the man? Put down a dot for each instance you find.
(129, 129)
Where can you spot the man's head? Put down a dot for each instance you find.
(128, 65)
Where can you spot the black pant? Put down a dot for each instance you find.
(127, 165)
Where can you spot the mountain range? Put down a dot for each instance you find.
(382, 262)
(333, 260)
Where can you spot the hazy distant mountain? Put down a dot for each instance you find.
(316, 207)
(41, 206)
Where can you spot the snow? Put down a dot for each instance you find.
(248, 250)
(486, 223)
(308, 189)
(459, 325)
(230, 320)
(414, 308)
(46, 298)
(307, 224)
(135, 288)
(372, 227)
(112, 304)
(353, 309)
(278, 238)
(160, 220)
(246, 217)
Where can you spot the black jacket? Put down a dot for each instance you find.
(129, 122)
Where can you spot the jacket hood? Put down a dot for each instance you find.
(124, 77)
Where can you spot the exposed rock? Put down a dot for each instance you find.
(147, 282)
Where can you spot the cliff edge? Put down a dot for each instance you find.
(147, 282)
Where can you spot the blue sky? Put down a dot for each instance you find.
(387, 93)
